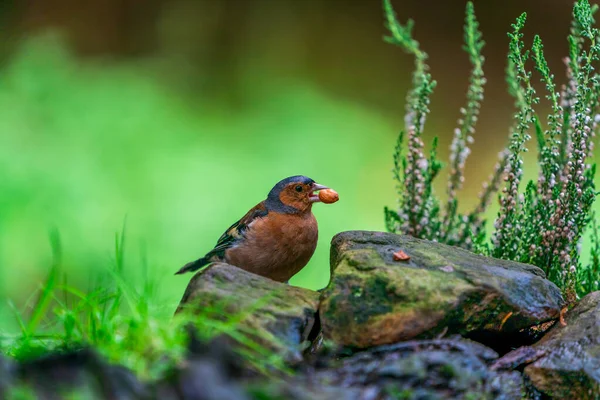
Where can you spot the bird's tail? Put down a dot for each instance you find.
(193, 266)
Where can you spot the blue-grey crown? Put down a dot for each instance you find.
(273, 200)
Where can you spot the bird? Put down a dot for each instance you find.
(276, 238)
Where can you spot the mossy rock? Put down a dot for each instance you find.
(373, 299)
(278, 316)
(568, 362)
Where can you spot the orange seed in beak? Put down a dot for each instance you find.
(328, 196)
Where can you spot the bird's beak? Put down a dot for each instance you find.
(314, 198)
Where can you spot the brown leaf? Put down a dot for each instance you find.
(401, 256)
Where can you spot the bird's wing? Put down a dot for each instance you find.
(236, 231)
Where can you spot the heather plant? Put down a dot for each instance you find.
(419, 212)
(543, 223)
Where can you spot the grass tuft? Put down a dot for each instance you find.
(126, 322)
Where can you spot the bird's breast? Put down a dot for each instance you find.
(276, 246)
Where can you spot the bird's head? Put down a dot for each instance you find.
(295, 194)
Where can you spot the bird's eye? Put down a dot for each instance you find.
(298, 188)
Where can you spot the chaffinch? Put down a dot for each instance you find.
(276, 238)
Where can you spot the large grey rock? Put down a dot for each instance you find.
(373, 300)
(279, 316)
(565, 364)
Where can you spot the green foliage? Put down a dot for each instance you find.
(542, 224)
(125, 322)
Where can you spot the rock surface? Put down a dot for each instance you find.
(373, 300)
(430, 369)
(6, 372)
(565, 364)
(280, 316)
(452, 368)
(212, 371)
(82, 373)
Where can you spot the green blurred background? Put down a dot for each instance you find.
(180, 115)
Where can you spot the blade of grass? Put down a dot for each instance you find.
(40, 308)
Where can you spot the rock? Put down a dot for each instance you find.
(280, 317)
(430, 369)
(6, 376)
(82, 373)
(373, 300)
(302, 389)
(565, 364)
(203, 380)
(200, 379)
(211, 372)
